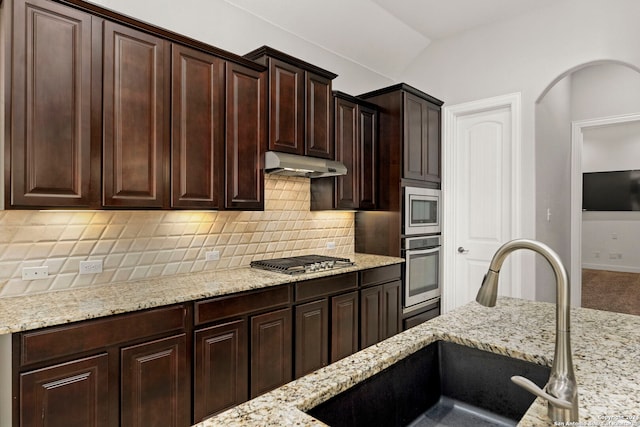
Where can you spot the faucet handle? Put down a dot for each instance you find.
(534, 389)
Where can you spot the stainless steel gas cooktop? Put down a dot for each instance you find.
(302, 264)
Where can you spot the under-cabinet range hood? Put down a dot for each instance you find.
(295, 165)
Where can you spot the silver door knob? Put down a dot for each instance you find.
(462, 250)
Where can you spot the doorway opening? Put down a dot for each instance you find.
(587, 99)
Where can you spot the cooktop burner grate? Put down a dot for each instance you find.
(302, 264)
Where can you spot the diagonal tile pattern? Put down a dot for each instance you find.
(144, 244)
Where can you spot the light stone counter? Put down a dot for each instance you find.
(55, 308)
(606, 355)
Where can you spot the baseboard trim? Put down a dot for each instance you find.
(619, 268)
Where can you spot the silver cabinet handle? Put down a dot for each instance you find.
(462, 250)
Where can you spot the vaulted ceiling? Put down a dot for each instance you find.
(383, 35)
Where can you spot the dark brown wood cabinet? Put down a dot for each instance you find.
(344, 325)
(246, 130)
(70, 394)
(155, 382)
(197, 143)
(380, 304)
(243, 347)
(421, 146)
(131, 369)
(221, 368)
(50, 88)
(355, 133)
(311, 337)
(270, 351)
(326, 327)
(299, 104)
(136, 117)
(103, 110)
(409, 138)
(409, 155)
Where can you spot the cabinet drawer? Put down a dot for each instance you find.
(325, 286)
(378, 275)
(237, 305)
(89, 335)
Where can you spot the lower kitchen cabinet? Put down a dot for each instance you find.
(71, 394)
(155, 382)
(130, 370)
(221, 368)
(311, 337)
(380, 305)
(271, 351)
(242, 348)
(326, 327)
(180, 364)
(344, 325)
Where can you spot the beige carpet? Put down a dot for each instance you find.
(611, 291)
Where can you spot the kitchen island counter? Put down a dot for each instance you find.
(606, 355)
(30, 312)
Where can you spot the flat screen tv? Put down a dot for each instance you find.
(611, 191)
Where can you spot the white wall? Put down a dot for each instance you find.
(223, 25)
(526, 55)
(553, 132)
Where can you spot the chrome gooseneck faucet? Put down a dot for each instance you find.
(561, 390)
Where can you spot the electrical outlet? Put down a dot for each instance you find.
(596, 254)
(35, 273)
(212, 255)
(91, 267)
(331, 245)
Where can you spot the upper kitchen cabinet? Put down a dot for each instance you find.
(356, 133)
(49, 94)
(246, 136)
(197, 142)
(299, 104)
(102, 110)
(409, 134)
(136, 115)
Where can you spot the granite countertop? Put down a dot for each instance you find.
(55, 308)
(606, 355)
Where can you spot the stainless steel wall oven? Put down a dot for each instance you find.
(422, 271)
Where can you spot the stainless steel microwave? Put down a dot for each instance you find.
(422, 211)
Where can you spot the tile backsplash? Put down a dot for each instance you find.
(143, 244)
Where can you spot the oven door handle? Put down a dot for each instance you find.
(425, 251)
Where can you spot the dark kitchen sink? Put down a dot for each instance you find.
(444, 384)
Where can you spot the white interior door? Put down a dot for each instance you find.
(481, 202)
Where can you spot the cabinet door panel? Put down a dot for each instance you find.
(155, 383)
(134, 117)
(319, 125)
(245, 138)
(392, 310)
(286, 107)
(371, 320)
(271, 350)
(347, 152)
(433, 145)
(368, 135)
(73, 394)
(312, 337)
(221, 377)
(415, 137)
(50, 105)
(197, 143)
(344, 325)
